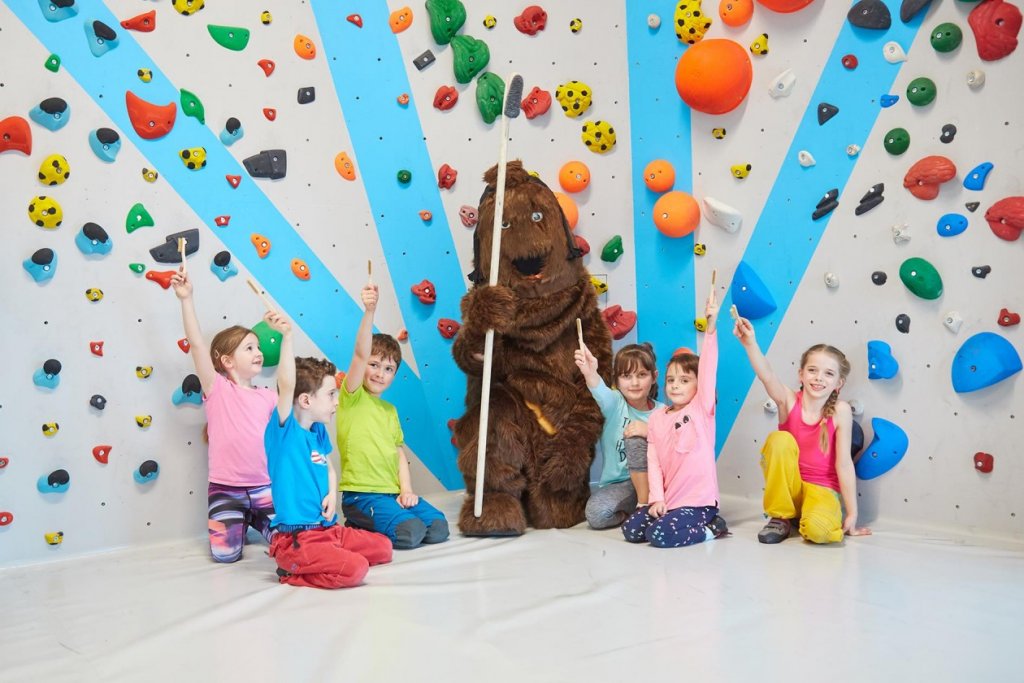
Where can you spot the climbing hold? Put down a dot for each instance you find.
(760, 45)
(981, 271)
(490, 93)
(852, 150)
(946, 37)
(893, 52)
(403, 335)
(58, 10)
(805, 158)
(569, 209)
(921, 278)
(50, 429)
(536, 103)
(531, 20)
(659, 176)
(6, 518)
(232, 132)
(269, 113)
(188, 7)
(714, 76)
(150, 121)
(983, 360)
(222, 266)
(888, 100)
(161, 277)
(4, 462)
(722, 215)
(300, 269)
(268, 66)
(618, 320)
(105, 144)
(53, 537)
(233, 180)
(403, 99)
(149, 176)
(96, 348)
(1007, 318)
(400, 19)
(98, 402)
(306, 95)
(94, 294)
(425, 292)
(232, 37)
(828, 203)
(54, 170)
(574, 176)
(575, 25)
(190, 391)
(881, 363)
(831, 280)
(975, 180)
(925, 176)
(718, 133)
(57, 481)
(270, 343)
(143, 23)
(448, 328)
(951, 224)
(469, 57)
(45, 212)
(169, 252)
(48, 376)
(750, 295)
(261, 243)
(700, 324)
(735, 13)
(885, 451)
(143, 371)
(972, 206)
(953, 320)
(194, 158)
(995, 24)
(424, 60)
(691, 22)
(145, 75)
(344, 166)
(269, 163)
(446, 177)
(825, 112)
(445, 98)
(42, 265)
(446, 18)
(93, 239)
(575, 98)
(780, 86)
(900, 233)
(879, 278)
(785, 6)
(1006, 218)
(490, 22)
(975, 79)
(404, 176)
(184, 345)
(143, 421)
(52, 113)
(355, 20)
(850, 62)
(266, 18)
(600, 286)
(146, 472)
(101, 38)
(304, 47)
(468, 215)
(191, 106)
(983, 462)
(740, 171)
(137, 268)
(921, 91)
(903, 323)
(52, 63)
(948, 133)
(15, 134)
(871, 199)
(612, 249)
(872, 14)
(676, 214)
(770, 407)
(911, 7)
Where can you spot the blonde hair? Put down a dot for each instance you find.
(224, 344)
(829, 409)
(632, 357)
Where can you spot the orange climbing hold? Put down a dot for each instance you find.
(676, 214)
(143, 23)
(101, 453)
(403, 335)
(659, 176)
(400, 20)
(785, 6)
(299, 267)
(150, 121)
(344, 166)
(572, 213)
(735, 12)
(268, 66)
(426, 216)
(714, 76)
(261, 243)
(574, 176)
(304, 47)
(925, 176)
(161, 277)
(15, 134)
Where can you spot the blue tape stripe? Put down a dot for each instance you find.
(369, 74)
(320, 306)
(785, 238)
(659, 129)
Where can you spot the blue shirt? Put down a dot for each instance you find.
(617, 414)
(297, 463)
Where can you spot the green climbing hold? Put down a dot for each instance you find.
(137, 218)
(404, 177)
(490, 93)
(469, 56)
(612, 250)
(921, 91)
(897, 141)
(137, 268)
(446, 18)
(270, 343)
(232, 37)
(191, 106)
(53, 63)
(946, 37)
(921, 278)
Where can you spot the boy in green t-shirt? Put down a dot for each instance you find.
(376, 487)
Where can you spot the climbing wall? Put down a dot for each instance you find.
(352, 119)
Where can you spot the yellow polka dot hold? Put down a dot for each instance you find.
(691, 23)
(575, 98)
(598, 136)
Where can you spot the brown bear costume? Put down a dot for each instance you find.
(543, 422)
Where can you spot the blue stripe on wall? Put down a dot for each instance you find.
(659, 129)
(785, 237)
(320, 306)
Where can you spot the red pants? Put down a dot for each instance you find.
(331, 557)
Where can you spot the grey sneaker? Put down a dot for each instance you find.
(718, 527)
(775, 531)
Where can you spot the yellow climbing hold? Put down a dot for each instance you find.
(691, 22)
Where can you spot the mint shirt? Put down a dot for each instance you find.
(617, 414)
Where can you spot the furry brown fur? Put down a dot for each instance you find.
(532, 477)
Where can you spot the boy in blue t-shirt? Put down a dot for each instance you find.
(311, 548)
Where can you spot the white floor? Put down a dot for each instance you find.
(570, 605)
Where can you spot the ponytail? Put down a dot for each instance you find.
(827, 411)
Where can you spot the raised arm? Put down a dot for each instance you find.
(285, 367)
(587, 364)
(200, 349)
(843, 420)
(364, 340)
(783, 396)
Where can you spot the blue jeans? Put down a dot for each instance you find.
(406, 527)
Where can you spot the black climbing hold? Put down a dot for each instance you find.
(191, 385)
(168, 252)
(95, 232)
(972, 206)
(871, 199)
(222, 258)
(149, 467)
(827, 204)
(306, 95)
(948, 133)
(58, 478)
(101, 30)
(911, 7)
(52, 367)
(829, 197)
(825, 112)
(879, 278)
(871, 14)
(270, 163)
(53, 105)
(424, 60)
(981, 271)
(43, 257)
(107, 136)
(98, 402)
(903, 323)
(232, 125)
(856, 439)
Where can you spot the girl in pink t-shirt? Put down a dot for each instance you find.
(237, 414)
(806, 464)
(683, 507)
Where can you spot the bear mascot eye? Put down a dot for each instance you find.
(536, 216)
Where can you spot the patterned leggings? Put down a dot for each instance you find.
(232, 510)
(676, 528)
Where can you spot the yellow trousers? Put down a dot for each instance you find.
(787, 496)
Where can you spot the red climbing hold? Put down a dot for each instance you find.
(426, 216)
(355, 19)
(446, 177)
(15, 134)
(403, 99)
(6, 518)
(425, 292)
(618, 320)
(448, 327)
(1008, 319)
(403, 335)
(234, 180)
(536, 103)
(161, 277)
(995, 24)
(222, 221)
(101, 453)
(532, 20)
(267, 65)
(451, 428)
(581, 244)
(4, 462)
(96, 348)
(983, 462)
(1006, 218)
(445, 97)
(150, 121)
(850, 62)
(143, 23)
(270, 113)
(924, 177)
(184, 345)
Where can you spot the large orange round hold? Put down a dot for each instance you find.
(659, 175)
(735, 12)
(574, 176)
(785, 6)
(572, 214)
(676, 214)
(714, 76)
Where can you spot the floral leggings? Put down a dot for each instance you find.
(675, 528)
(232, 510)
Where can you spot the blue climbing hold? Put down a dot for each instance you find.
(190, 391)
(58, 10)
(146, 472)
(983, 360)
(41, 265)
(53, 113)
(48, 376)
(888, 100)
(886, 449)
(222, 266)
(105, 143)
(102, 39)
(951, 224)
(232, 132)
(750, 295)
(57, 481)
(881, 363)
(93, 239)
(975, 180)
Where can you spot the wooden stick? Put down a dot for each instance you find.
(369, 270)
(733, 312)
(714, 274)
(181, 248)
(266, 301)
(579, 332)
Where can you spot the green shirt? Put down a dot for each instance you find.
(368, 439)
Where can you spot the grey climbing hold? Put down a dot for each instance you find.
(306, 95)
(872, 14)
(911, 7)
(972, 206)
(168, 251)
(270, 163)
(424, 60)
(948, 133)
(825, 112)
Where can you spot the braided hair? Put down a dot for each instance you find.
(829, 409)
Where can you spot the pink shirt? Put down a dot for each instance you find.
(816, 467)
(681, 443)
(237, 417)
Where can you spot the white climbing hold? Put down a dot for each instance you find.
(953, 321)
(831, 280)
(805, 158)
(782, 84)
(975, 78)
(653, 21)
(852, 150)
(901, 233)
(856, 407)
(721, 214)
(893, 52)
(770, 407)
